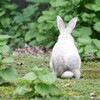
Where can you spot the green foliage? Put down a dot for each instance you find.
(97, 26)
(45, 30)
(45, 89)
(38, 82)
(36, 24)
(7, 74)
(39, 1)
(17, 24)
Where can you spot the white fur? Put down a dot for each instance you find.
(67, 74)
(65, 61)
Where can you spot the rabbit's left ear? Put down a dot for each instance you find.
(60, 24)
(71, 25)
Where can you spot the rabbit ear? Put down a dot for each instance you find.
(71, 25)
(60, 24)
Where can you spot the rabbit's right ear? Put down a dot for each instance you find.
(71, 25)
(60, 24)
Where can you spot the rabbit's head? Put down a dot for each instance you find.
(66, 31)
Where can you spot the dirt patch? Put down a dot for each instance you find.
(31, 50)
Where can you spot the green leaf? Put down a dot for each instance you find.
(96, 42)
(29, 94)
(50, 13)
(75, 2)
(8, 74)
(98, 53)
(2, 13)
(49, 44)
(5, 49)
(27, 12)
(90, 48)
(96, 7)
(68, 17)
(58, 3)
(40, 37)
(49, 26)
(38, 1)
(29, 35)
(18, 33)
(43, 18)
(97, 2)
(96, 19)
(82, 32)
(3, 42)
(19, 18)
(84, 41)
(5, 21)
(40, 71)
(76, 33)
(31, 76)
(1, 31)
(33, 25)
(30, 10)
(4, 37)
(8, 60)
(21, 89)
(85, 31)
(89, 6)
(11, 6)
(33, 42)
(41, 29)
(87, 17)
(97, 26)
(48, 78)
(1, 80)
(0, 57)
(80, 50)
(45, 89)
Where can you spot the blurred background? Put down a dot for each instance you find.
(33, 22)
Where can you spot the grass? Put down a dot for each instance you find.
(71, 89)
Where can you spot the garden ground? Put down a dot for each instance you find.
(71, 89)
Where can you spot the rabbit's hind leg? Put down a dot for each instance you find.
(53, 69)
(76, 73)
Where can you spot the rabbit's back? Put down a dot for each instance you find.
(65, 46)
(65, 57)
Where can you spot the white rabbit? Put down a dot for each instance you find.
(65, 61)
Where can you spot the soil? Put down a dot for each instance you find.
(31, 50)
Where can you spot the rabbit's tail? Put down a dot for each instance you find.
(67, 74)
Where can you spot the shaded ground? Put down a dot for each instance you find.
(72, 89)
